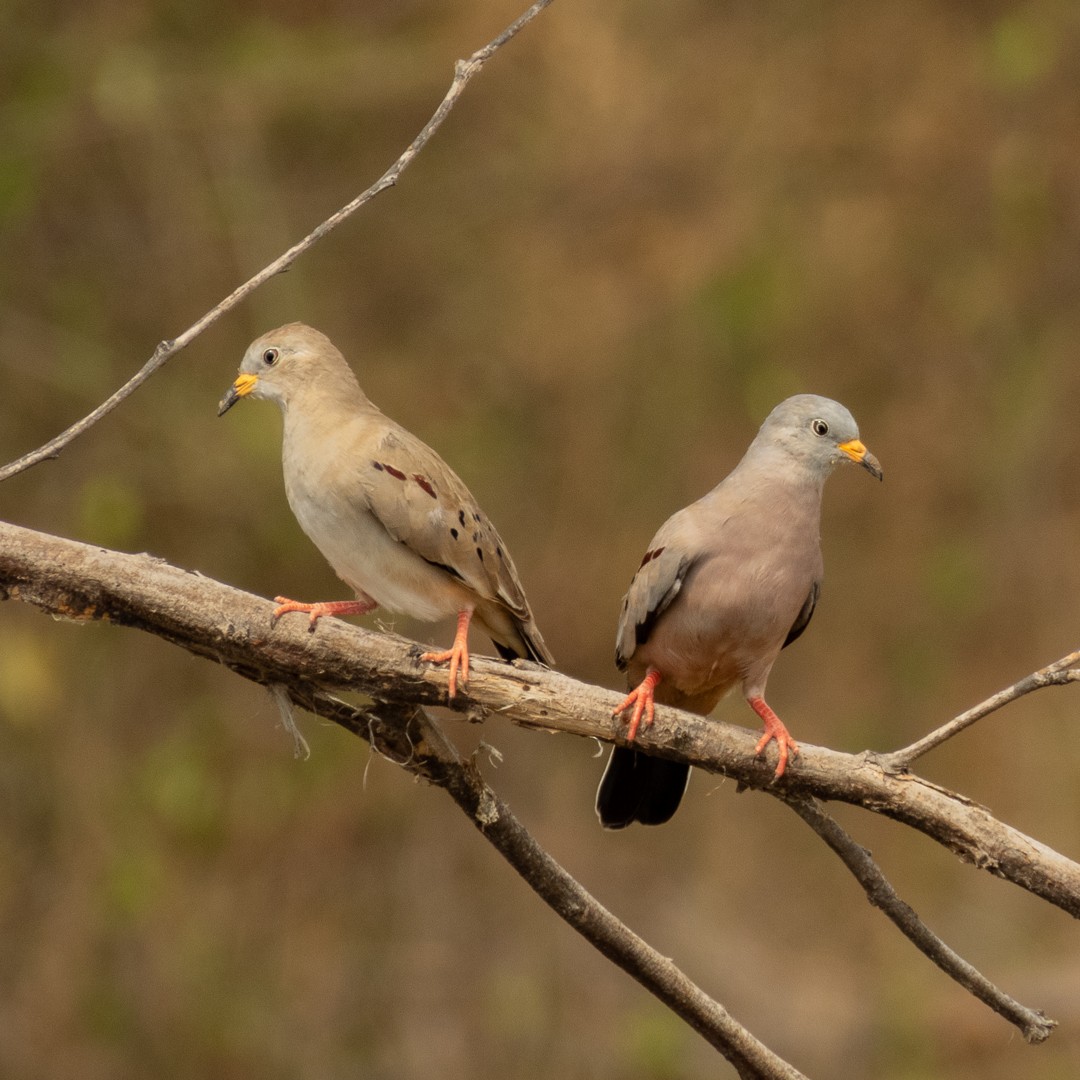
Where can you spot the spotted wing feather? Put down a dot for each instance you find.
(655, 585)
(422, 503)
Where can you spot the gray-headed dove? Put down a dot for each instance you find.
(724, 586)
(390, 516)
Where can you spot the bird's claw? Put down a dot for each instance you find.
(457, 654)
(775, 731)
(316, 611)
(642, 698)
(459, 665)
(285, 605)
(785, 744)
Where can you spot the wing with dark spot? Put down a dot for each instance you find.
(654, 587)
(802, 620)
(422, 503)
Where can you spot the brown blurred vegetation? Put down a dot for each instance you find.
(643, 225)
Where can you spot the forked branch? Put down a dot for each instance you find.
(409, 737)
(78, 581)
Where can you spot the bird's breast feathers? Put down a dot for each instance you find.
(398, 524)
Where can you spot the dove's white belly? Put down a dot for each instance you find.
(368, 559)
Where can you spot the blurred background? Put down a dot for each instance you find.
(641, 227)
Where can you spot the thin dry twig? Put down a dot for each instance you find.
(1034, 1025)
(1059, 673)
(464, 72)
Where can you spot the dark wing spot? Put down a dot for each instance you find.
(802, 620)
(448, 569)
(498, 551)
(454, 533)
(377, 466)
(650, 555)
(397, 474)
(477, 516)
(475, 537)
(479, 554)
(644, 628)
(425, 483)
(461, 517)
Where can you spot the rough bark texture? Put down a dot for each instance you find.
(77, 581)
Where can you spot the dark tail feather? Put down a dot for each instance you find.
(637, 787)
(535, 649)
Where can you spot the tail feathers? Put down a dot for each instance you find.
(531, 646)
(637, 787)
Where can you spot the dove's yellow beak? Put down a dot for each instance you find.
(241, 388)
(859, 454)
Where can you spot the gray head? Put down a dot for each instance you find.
(289, 363)
(817, 431)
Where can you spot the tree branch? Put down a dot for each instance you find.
(1035, 1026)
(1059, 673)
(409, 737)
(77, 581)
(464, 71)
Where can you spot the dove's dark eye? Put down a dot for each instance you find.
(819, 427)
(270, 357)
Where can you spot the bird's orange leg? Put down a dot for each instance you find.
(317, 611)
(457, 654)
(774, 729)
(641, 697)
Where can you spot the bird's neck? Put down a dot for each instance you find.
(315, 410)
(774, 466)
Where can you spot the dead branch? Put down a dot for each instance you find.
(464, 71)
(1059, 673)
(77, 581)
(408, 736)
(1035, 1026)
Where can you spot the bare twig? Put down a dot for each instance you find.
(463, 73)
(407, 735)
(1058, 673)
(1035, 1026)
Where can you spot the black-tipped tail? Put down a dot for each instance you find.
(637, 787)
(534, 647)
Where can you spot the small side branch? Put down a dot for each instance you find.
(1058, 673)
(464, 72)
(1035, 1026)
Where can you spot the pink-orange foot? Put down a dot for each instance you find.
(643, 700)
(317, 611)
(774, 731)
(457, 654)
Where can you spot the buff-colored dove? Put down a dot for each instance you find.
(391, 517)
(724, 586)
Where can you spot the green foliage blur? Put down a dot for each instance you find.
(642, 226)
